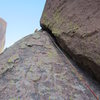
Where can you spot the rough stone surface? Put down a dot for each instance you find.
(2, 34)
(33, 69)
(76, 26)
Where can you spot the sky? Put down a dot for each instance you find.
(22, 17)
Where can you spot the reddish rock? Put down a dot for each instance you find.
(2, 34)
(76, 26)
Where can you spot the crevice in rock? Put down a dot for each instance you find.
(29, 45)
(84, 64)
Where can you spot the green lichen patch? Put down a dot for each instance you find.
(73, 27)
(13, 58)
(56, 31)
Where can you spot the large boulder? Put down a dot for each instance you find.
(33, 69)
(76, 26)
(2, 34)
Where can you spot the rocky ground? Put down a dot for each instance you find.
(34, 69)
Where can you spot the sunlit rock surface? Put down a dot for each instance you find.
(34, 69)
(2, 34)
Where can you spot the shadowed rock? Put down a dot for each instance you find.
(2, 34)
(76, 26)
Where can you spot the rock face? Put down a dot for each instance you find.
(76, 26)
(2, 34)
(33, 69)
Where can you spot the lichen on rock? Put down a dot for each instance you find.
(39, 72)
(76, 29)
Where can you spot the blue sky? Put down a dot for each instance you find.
(22, 17)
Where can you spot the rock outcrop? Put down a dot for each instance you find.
(33, 69)
(2, 34)
(76, 26)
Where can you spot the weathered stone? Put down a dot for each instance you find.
(76, 26)
(13, 58)
(39, 73)
(35, 76)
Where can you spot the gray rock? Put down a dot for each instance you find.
(38, 72)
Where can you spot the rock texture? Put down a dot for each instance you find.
(2, 34)
(33, 69)
(76, 26)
